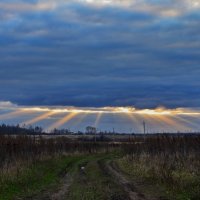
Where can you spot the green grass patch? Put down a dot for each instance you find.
(42, 175)
(36, 177)
(95, 184)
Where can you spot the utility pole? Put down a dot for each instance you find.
(113, 134)
(95, 135)
(144, 126)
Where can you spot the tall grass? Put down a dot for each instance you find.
(16, 149)
(172, 161)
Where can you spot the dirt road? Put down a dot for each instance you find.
(99, 179)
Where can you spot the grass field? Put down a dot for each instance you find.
(173, 182)
(36, 177)
(159, 168)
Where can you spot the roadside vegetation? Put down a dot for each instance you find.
(29, 179)
(30, 165)
(140, 168)
(170, 164)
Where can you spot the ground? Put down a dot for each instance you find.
(83, 177)
(79, 177)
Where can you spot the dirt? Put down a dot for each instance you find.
(130, 187)
(63, 190)
(109, 169)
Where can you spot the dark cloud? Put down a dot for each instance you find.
(81, 55)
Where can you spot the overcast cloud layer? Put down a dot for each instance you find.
(100, 53)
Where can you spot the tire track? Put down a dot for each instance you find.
(61, 192)
(127, 185)
(64, 189)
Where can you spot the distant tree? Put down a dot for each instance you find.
(38, 129)
(91, 130)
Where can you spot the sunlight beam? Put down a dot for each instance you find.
(98, 118)
(39, 118)
(14, 114)
(168, 120)
(81, 118)
(133, 110)
(63, 120)
(191, 124)
(137, 123)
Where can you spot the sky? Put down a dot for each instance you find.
(143, 54)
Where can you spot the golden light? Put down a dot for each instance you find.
(136, 119)
(63, 120)
(14, 114)
(178, 119)
(37, 109)
(157, 122)
(39, 118)
(123, 109)
(96, 2)
(98, 118)
(157, 111)
(81, 117)
(189, 123)
(173, 123)
(160, 117)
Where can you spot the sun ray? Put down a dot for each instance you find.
(98, 118)
(81, 118)
(137, 121)
(39, 118)
(179, 119)
(187, 121)
(113, 121)
(63, 120)
(14, 114)
(157, 123)
(172, 122)
(150, 122)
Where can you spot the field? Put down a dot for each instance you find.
(152, 167)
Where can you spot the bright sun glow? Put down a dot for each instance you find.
(157, 111)
(177, 119)
(98, 2)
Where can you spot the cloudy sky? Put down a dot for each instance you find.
(97, 53)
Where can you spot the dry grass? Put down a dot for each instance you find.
(171, 162)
